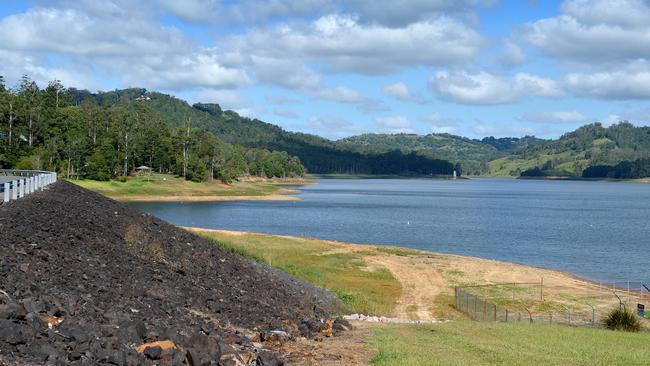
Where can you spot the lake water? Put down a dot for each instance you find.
(598, 230)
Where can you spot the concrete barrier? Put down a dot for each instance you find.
(23, 182)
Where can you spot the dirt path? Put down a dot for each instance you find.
(421, 283)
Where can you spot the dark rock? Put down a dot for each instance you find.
(275, 337)
(343, 322)
(268, 358)
(112, 295)
(153, 353)
(74, 356)
(14, 333)
(305, 332)
(316, 326)
(140, 329)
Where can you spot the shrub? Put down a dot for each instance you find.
(622, 319)
(122, 178)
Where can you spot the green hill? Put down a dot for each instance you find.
(408, 154)
(571, 154)
(317, 154)
(473, 155)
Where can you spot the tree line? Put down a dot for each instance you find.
(51, 129)
(317, 154)
(639, 168)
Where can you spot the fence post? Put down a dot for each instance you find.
(541, 290)
(14, 190)
(506, 315)
(21, 188)
(6, 193)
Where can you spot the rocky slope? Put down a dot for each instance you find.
(87, 280)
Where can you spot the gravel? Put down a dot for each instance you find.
(86, 280)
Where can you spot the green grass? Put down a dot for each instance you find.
(364, 290)
(482, 343)
(169, 185)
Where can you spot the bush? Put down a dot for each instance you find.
(622, 319)
(122, 178)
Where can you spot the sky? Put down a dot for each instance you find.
(341, 68)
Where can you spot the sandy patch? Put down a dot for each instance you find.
(143, 198)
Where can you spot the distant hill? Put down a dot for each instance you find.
(408, 154)
(571, 154)
(473, 155)
(317, 154)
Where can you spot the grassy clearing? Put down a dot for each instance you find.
(164, 185)
(365, 290)
(477, 343)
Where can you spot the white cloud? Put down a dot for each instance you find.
(394, 124)
(400, 13)
(595, 31)
(339, 94)
(16, 64)
(555, 117)
(244, 11)
(484, 129)
(439, 124)
(141, 53)
(399, 91)
(328, 126)
(279, 99)
(512, 55)
(227, 99)
(617, 84)
(486, 88)
(285, 113)
(340, 43)
(611, 120)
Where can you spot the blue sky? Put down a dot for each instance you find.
(339, 68)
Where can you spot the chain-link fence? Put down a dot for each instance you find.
(579, 305)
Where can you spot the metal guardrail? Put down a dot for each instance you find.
(27, 182)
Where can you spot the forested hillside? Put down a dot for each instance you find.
(107, 135)
(472, 155)
(317, 154)
(574, 152)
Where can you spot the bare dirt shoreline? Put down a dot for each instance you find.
(428, 279)
(143, 198)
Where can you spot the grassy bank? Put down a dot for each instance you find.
(480, 343)
(406, 283)
(364, 289)
(164, 187)
(413, 284)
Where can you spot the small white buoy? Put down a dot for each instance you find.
(408, 223)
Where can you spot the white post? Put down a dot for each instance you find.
(14, 190)
(6, 193)
(21, 188)
(30, 185)
(39, 182)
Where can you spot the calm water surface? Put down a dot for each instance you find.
(598, 230)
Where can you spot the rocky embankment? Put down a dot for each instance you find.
(86, 280)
